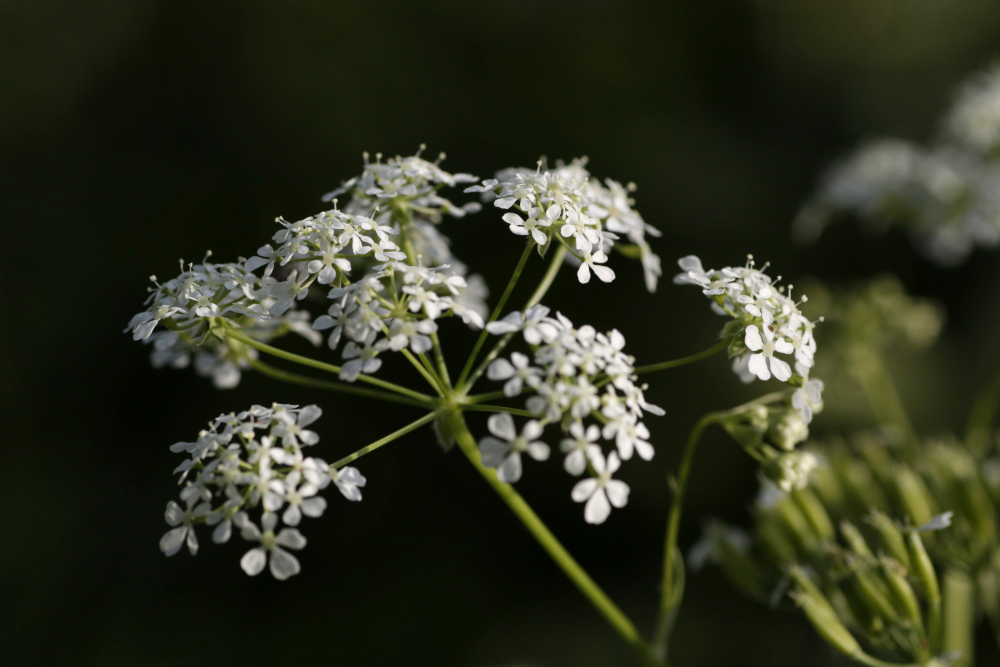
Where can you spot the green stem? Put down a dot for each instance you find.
(555, 264)
(425, 369)
(395, 435)
(683, 361)
(302, 380)
(439, 357)
(489, 396)
(669, 598)
(982, 416)
(612, 614)
(539, 293)
(495, 314)
(319, 365)
(497, 408)
(958, 602)
(671, 594)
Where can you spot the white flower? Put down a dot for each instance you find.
(808, 399)
(592, 262)
(580, 447)
(302, 499)
(517, 372)
(348, 480)
(504, 451)
(601, 493)
(183, 533)
(283, 564)
(763, 362)
(533, 224)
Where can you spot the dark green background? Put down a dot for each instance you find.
(134, 132)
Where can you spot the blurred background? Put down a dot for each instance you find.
(134, 133)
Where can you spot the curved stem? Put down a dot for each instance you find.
(612, 614)
(395, 435)
(495, 314)
(683, 361)
(319, 365)
(669, 598)
(343, 388)
(670, 592)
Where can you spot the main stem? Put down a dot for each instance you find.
(612, 614)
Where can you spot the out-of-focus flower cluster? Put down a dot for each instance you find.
(566, 205)
(946, 194)
(584, 383)
(248, 472)
(866, 539)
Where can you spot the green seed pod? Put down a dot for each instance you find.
(814, 512)
(901, 592)
(855, 540)
(822, 615)
(923, 570)
(914, 496)
(892, 539)
(870, 591)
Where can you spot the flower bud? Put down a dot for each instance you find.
(789, 430)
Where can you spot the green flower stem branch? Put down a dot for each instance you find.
(558, 256)
(341, 387)
(319, 365)
(395, 435)
(671, 589)
(515, 276)
(611, 613)
(683, 361)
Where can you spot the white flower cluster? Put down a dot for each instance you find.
(946, 194)
(766, 323)
(573, 375)
(566, 205)
(394, 307)
(974, 118)
(200, 292)
(186, 306)
(248, 462)
(410, 181)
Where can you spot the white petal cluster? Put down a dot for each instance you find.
(247, 472)
(200, 293)
(186, 307)
(566, 205)
(582, 382)
(393, 307)
(974, 118)
(768, 329)
(945, 194)
(411, 180)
